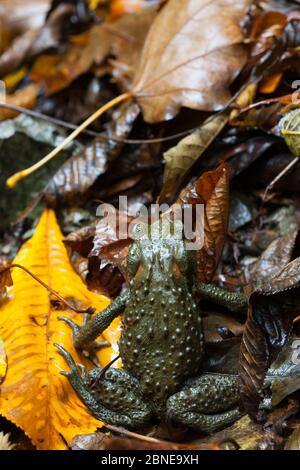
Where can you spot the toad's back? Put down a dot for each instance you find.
(161, 344)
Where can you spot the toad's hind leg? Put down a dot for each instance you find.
(206, 403)
(111, 396)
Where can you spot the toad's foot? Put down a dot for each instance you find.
(90, 349)
(115, 399)
(206, 403)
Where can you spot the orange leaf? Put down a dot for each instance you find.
(270, 84)
(121, 7)
(34, 395)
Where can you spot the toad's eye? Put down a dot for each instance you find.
(133, 260)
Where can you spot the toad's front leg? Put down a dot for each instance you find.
(83, 336)
(207, 403)
(235, 301)
(110, 395)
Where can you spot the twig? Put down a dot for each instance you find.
(44, 117)
(98, 135)
(279, 176)
(88, 310)
(13, 180)
(134, 435)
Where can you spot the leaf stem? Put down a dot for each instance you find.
(14, 179)
(89, 310)
(279, 176)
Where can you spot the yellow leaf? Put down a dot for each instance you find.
(3, 361)
(34, 395)
(13, 79)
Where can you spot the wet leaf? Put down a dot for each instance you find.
(270, 262)
(186, 62)
(104, 252)
(264, 116)
(283, 377)
(212, 190)
(108, 247)
(287, 278)
(81, 241)
(34, 395)
(290, 129)
(179, 159)
(77, 175)
(268, 326)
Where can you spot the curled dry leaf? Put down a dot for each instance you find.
(34, 395)
(179, 159)
(77, 175)
(212, 190)
(276, 255)
(186, 61)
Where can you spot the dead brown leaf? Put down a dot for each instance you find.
(276, 255)
(78, 173)
(212, 190)
(191, 56)
(268, 326)
(99, 256)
